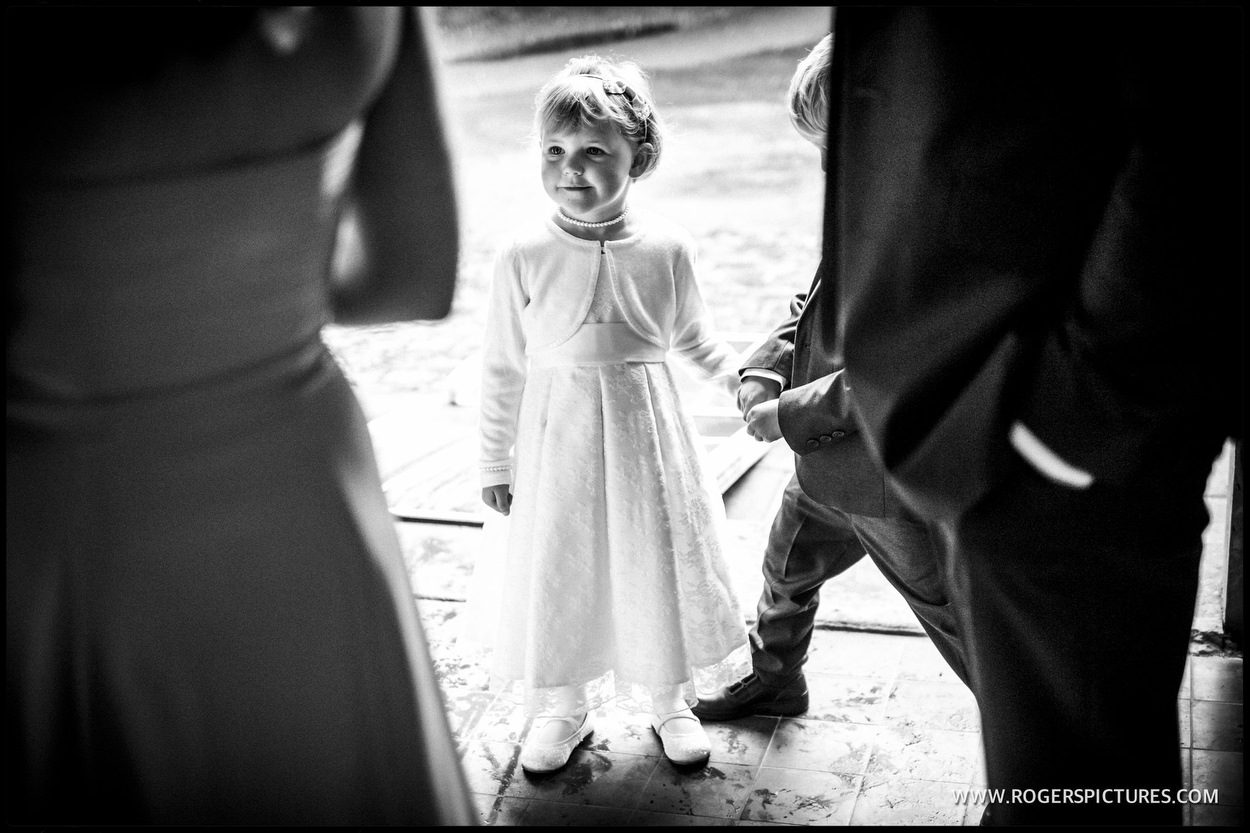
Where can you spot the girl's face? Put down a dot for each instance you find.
(586, 170)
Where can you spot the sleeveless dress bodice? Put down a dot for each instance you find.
(135, 287)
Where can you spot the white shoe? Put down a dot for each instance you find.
(683, 737)
(551, 741)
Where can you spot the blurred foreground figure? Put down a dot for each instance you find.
(1034, 219)
(209, 620)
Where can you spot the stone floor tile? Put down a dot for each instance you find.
(465, 710)
(972, 816)
(925, 755)
(503, 720)
(821, 745)
(617, 730)
(601, 779)
(903, 802)
(1216, 815)
(646, 818)
(979, 774)
(715, 790)
(490, 767)
(921, 660)
(1217, 726)
(1217, 678)
(846, 699)
(932, 705)
(500, 810)
(454, 666)
(744, 741)
(439, 558)
(539, 813)
(856, 654)
(806, 797)
(753, 823)
(1215, 770)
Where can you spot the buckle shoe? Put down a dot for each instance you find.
(751, 696)
(687, 745)
(548, 756)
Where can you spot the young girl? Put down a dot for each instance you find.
(613, 584)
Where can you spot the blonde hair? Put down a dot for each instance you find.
(590, 90)
(809, 93)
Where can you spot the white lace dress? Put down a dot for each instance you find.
(609, 573)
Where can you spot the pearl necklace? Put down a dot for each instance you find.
(566, 218)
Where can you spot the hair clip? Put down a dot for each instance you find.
(613, 87)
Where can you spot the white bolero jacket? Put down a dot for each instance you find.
(541, 291)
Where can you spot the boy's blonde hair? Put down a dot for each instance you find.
(591, 89)
(809, 93)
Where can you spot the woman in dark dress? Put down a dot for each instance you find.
(208, 617)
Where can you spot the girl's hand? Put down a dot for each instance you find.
(498, 498)
(762, 422)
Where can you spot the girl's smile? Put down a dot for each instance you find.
(587, 170)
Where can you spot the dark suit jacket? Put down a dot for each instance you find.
(1034, 215)
(833, 465)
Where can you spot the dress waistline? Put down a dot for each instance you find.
(611, 343)
(242, 397)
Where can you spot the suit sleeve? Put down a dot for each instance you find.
(1142, 347)
(816, 414)
(776, 351)
(1051, 264)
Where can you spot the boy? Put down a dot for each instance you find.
(837, 506)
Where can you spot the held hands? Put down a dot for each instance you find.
(498, 498)
(758, 400)
(762, 421)
(754, 390)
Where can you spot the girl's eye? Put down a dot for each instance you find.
(593, 151)
(555, 151)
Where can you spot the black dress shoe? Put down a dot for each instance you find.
(750, 696)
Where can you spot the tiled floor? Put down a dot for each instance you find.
(891, 738)
(1213, 738)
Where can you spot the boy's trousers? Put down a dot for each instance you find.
(810, 543)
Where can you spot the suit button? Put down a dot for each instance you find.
(825, 438)
(839, 434)
(813, 443)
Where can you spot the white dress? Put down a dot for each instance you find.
(612, 575)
